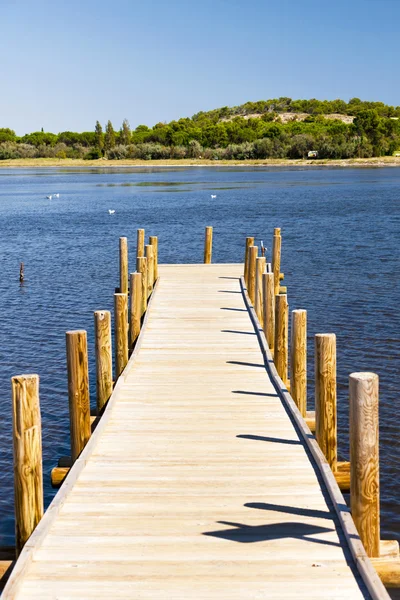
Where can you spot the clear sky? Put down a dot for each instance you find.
(64, 64)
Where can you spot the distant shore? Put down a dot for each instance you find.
(18, 163)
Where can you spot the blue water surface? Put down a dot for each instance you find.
(340, 230)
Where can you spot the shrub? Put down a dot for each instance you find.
(195, 149)
(8, 151)
(93, 154)
(117, 153)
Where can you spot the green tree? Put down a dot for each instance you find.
(125, 133)
(99, 137)
(7, 135)
(109, 137)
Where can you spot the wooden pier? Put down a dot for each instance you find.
(202, 478)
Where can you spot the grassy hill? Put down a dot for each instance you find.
(281, 128)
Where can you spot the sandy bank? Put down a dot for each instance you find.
(386, 161)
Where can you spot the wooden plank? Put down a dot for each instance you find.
(195, 483)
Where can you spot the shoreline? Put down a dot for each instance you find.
(18, 163)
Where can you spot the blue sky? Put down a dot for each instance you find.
(65, 64)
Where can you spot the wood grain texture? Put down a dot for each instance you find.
(298, 360)
(269, 308)
(388, 570)
(364, 458)
(325, 396)
(121, 332)
(141, 267)
(57, 476)
(150, 268)
(276, 260)
(258, 306)
(310, 420)
(135, 307)
(364, 565)
(389, 549)
(195, 483)
(140, 243)
(249, 243)
(281, 348)
(27, 443)
(208, 245)
(342, 475)
(251, 287)
(5, 568)
(123, 265)
(78, 390)
(153, 239)
(103, 350)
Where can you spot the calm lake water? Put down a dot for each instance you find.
(340, 257)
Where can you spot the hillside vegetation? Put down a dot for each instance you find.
(280, 128)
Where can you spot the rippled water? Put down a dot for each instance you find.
(340, 257)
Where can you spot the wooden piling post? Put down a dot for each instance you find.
(136, 307)
(364, 459)
(153, 239)
(258, 304)
(251, 286)
(78, 391)
(104, 379)
(281, 348)
(298, 362)
(269, 309)
(123, 265)
(249, 243)
(141, 267)
(27, 442)
(325, 396)
(150, 268)
(208, 245)
(121, 332)
(140, 243)
(276, 258)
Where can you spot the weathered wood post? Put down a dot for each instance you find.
(136, 307)
(208, 245)
(325, 396)
(141, 267)
(123, 265)
(140, 243)
(298, 362)
(364, 459)
(78, 391)
(249, 243)
(276, 258)
(251, 286)
(121, 332)
(269, 309)
(153, 239)
(258, 305)
(281, 348)
(150, 268)
(27, 442)
(104, 380)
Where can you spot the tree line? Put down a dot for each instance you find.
(252, 130)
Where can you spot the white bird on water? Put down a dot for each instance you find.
(49, 197)
(56, 195)
(213, 195)
(111, 212)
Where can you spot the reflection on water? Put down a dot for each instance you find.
(340, 258)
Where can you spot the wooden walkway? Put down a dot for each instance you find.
(195, 483)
